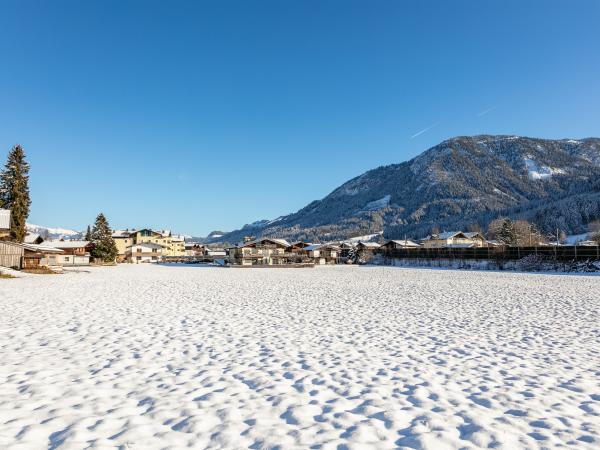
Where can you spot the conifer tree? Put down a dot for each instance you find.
(88, 234)
(104, 247)
(507, 233)
(14, 192)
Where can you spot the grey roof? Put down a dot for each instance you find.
(4, 219)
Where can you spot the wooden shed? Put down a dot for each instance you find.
(11, 254)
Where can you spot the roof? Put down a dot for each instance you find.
(281, 242)
(472, 234)
(67, 244)
(41, 248)
(30, 238)
(4, 219)
(403, 242)
(121, 234)
(369, 244)
(448, 234)
(310, 248)
(177, 238)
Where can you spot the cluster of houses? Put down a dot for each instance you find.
(35, 252)
(150, 246)
(271, 251)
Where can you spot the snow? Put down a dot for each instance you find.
(537, 172)
(364, 238)
(58, 232)
(378, 204)
(146, 356)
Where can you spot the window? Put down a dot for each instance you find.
(66, 259)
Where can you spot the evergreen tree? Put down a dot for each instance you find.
(507, 233)
(88, 234)
(104, 247)
(14, 191)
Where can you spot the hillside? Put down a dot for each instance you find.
(464, 180)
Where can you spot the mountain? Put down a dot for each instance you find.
(54, 233)
(461, 181)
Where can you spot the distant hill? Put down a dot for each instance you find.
(461, 181)
(54, 233)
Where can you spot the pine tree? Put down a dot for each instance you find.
(88, 234)
(104, 247)
(507, 233)
(14, 191)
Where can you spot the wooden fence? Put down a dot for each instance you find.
(11, 254)
(560, 253)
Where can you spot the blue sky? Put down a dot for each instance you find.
(236, 111)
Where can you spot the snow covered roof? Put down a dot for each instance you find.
(369, 244)
(165, 233)
(312, 247)
(473, 234)
(121, 234)
(30, 238)
(177, 238)
(449, 234)
(4, 219)
(281, 242)
(41, 248)
(67, 244)
(403, 243)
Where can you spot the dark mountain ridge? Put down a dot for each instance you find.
(461, 181)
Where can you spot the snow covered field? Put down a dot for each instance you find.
(336, 357)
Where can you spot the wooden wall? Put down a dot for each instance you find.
(11, 255)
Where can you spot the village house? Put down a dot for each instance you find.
(265, 251)
(75, 253)
(398, 244)
(194, 249)
(454, 239)
(4, 224)
(323, 253)
(145, 252)
(346, 248)
(367, 246)
(40, 255)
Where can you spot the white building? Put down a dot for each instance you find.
(145, 252)
(4, 223)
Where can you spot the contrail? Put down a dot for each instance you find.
(483, 113)
(419, 133)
